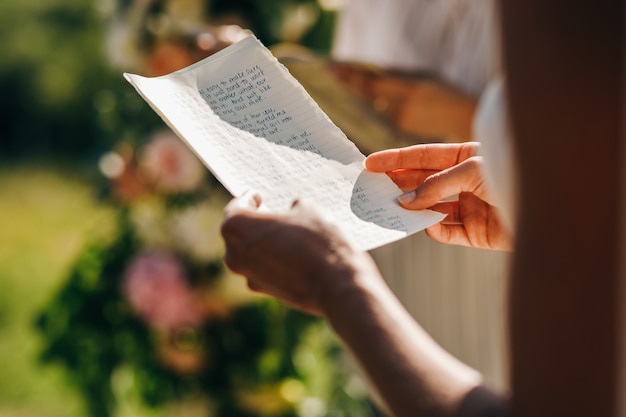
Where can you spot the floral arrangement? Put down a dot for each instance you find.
(153, 314)
(153, 33)
(151, 317)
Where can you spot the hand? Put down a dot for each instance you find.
(439, 171)
(416, 104)
(299, 257)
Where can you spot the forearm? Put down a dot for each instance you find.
(305, 262)
(412, 373)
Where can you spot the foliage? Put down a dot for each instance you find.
(47, 211)
(156, 302)
(266, 19)
(59, 94)
(93, 332)
(50, 69)
(152, 312)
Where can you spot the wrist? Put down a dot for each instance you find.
(348, 275)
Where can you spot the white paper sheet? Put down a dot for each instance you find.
(256, 128)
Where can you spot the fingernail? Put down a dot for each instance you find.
(407, 197)
(254, 199)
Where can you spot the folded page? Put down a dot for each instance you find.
(256, 128)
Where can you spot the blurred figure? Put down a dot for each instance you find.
(422, 63)
(433, 69)
(449, 39)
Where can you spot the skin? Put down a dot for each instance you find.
(436, 172)
(302, 259)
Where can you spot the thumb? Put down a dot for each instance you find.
(464, 177)
(247, 201)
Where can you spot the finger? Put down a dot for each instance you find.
(242, 221)
(464, 177)
(436, 156)
(261, 286)
(258, 287)
(258, 284)
(232, 259)
(246, 201)
(449, 234)
(242, 233)
(409, 179)
(451, 209)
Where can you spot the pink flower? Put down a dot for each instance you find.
(155, 287)
(170, 165)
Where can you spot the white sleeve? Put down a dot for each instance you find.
(492, 130)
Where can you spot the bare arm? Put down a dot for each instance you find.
(302, 259)
(413, 374)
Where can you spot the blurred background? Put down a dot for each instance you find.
(113, 297)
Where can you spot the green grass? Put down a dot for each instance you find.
(47, 214)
